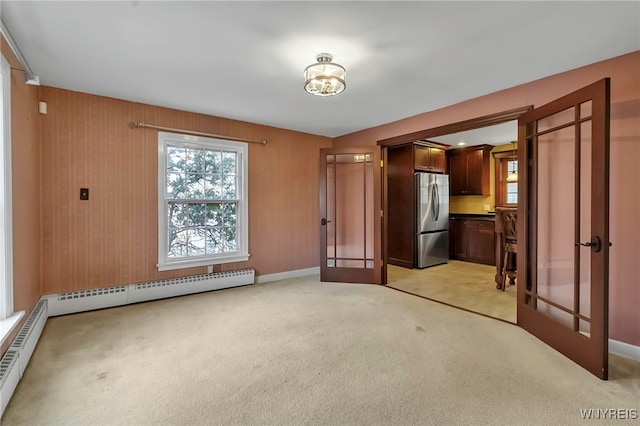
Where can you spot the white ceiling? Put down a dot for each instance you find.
(244, 60)
(498, 134)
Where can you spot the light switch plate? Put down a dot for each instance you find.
(487, 207)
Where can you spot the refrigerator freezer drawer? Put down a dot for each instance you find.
(433, 249)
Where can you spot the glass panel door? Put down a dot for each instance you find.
(349, 200)
(563, 290)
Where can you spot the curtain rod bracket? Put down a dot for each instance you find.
(140, 124)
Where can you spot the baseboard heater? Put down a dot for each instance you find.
(88, 300)
(15, 360)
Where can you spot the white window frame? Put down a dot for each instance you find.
(242, 253)
(8, 318)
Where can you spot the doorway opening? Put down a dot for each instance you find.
(470, 277)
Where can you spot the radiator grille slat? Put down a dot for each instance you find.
(7, 363)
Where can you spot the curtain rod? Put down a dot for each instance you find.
(29, 76)
(140, 124)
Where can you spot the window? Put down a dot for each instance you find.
(511, 188)
(202, 201)
(8, 319)
(506, 192)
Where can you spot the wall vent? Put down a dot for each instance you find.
(9, 376)
(28, 336)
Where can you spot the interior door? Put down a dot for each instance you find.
(563, 239)
(350, 211)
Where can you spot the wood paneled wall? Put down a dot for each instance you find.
(25, 153)
(111, 239)
(624, 315)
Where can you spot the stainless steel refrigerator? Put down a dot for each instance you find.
(432, 219)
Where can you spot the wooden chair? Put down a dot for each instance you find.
(507, 229)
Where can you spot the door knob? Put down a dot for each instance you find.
(595, 244)
(324, 221)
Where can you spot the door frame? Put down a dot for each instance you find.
(460, 126)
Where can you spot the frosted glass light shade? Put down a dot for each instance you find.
(324, 78)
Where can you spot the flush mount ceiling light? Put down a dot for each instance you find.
(324, 78)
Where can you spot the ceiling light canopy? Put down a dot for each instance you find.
(324, 78)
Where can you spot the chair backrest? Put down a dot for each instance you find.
(507, 222)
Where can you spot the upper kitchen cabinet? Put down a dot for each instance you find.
(469, 170)
(429, 159)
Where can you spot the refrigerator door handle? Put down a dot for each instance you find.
(436, 202)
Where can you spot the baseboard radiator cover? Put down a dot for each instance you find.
(87, 300)
(27, 338)
(9, 376)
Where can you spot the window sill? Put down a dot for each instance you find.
(7, 325)
(201, 262)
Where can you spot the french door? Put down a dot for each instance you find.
(351, 222)
(563, 239)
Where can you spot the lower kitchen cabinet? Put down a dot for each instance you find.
(472, 239)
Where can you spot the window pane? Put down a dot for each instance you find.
(213, 162)
(213, 187)
(512, 166)
(229, 188)
(230, 238)
(512, 192)
(228, 163)
(177, 242)
(195, 161)
(197, 214)
(214, 243)
(175, 185)
(229, 214)
(176, 157)
(196, 242)
(195, 184)
(177, 215)
(214, 215)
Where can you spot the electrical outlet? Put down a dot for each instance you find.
(487, 207)
(84, 193)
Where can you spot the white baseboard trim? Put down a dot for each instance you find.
(624, 349)
(288, 274)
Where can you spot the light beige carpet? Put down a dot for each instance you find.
(300, 352)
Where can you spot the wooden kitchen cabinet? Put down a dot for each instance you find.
(472, 240)
(429, 159)
(469, 170)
